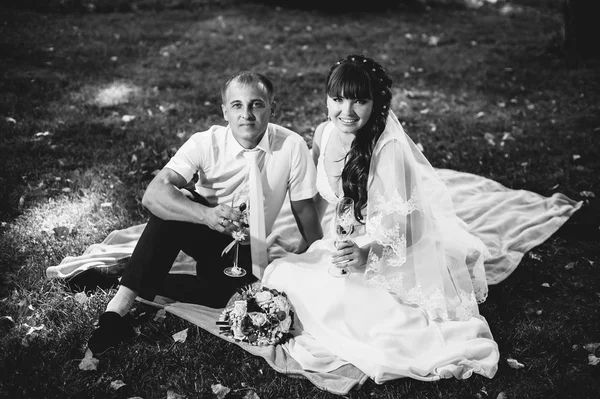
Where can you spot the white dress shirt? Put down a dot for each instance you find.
(218, 159)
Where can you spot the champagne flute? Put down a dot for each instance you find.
(236, 270)
(344, 227)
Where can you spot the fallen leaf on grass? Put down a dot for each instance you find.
(433, 40)
(570, 265)
(89, 362)
(219, 390)
(32, 329)
(589, 194)
(506, 136)
(591, 262)
(501, 395)
(9, 119)
(489, 137)
(174, 395)
(591, 347)
(514, 364)
(116, 385)
(81, 298)
(250, 394)
(127, 118)
(546, 285)
(160, 315)
(593, 360)
(181, 336)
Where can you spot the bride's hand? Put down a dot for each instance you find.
(350, 255)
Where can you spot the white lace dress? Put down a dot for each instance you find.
(379, 321)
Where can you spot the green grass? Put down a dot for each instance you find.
(59, 76)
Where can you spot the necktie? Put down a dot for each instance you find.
(256, 217)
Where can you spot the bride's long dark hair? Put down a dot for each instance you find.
(358, 77)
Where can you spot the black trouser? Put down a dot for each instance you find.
(148, 270)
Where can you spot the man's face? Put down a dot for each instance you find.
(247, 109)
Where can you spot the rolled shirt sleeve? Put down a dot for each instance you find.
(195, 154)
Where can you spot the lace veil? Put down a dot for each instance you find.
(421, 250)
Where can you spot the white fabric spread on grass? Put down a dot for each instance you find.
(509, 222)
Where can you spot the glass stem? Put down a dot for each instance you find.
(235, 256)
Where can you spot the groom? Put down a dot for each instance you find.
(199, 218)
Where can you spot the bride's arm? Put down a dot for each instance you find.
(316, 142)
(320, 203)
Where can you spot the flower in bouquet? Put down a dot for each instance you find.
(259, 315)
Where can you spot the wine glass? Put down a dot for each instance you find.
(344, 227)
(236, 270)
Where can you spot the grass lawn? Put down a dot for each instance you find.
(94, 100)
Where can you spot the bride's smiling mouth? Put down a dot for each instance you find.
(348, 121)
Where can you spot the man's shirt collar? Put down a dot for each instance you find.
(234, 148)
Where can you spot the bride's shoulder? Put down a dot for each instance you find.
(388, 139)
(317, 137)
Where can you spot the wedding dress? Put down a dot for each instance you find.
(413, 311)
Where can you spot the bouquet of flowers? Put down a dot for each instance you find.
(258, 315)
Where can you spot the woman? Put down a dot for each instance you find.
(408, 307)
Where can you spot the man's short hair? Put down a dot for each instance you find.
(249, 77)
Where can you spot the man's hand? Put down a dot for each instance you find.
(224, 219)
(350, 255)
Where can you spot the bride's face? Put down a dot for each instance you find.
(349, 115)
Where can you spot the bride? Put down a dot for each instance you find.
(399, 297)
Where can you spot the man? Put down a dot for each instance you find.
(200, 221)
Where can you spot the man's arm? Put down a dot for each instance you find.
(165, 200)
(307, 219)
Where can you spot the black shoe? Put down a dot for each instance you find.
(112, 329)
